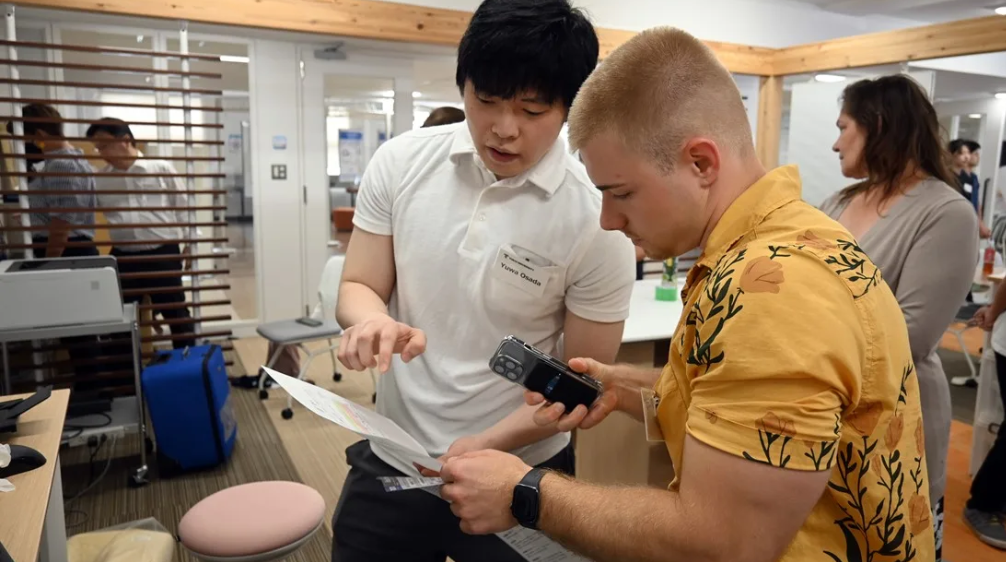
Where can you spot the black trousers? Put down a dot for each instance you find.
(157, 297)
(371, 525)
(69, 251)
(988, 489)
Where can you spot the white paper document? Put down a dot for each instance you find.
(532, 545)
(357, 419)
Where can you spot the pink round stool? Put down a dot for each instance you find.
(256, 522)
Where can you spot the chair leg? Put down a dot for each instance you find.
(964, 381)
(262, 392)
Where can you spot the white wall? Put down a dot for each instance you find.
(274, 84)
(990, 64)
(812, 132)
(762, 23)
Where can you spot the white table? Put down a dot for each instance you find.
(651, 323)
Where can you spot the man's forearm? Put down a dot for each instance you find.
(516, 430)
(627, 381)
(624, 524)
(999, 301)
(356, 303)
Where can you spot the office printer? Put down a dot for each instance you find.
(59, 292)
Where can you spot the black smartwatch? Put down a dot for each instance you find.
(526, 504)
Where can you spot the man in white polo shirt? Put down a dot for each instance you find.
(155, 204)
(447, 219)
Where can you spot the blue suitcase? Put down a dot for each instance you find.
(188, 396)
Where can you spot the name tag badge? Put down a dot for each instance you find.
(650, 423)
(520, 273)
(968, 188)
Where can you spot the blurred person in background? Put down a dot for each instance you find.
(444, 116)
(157, 228)
(963, 162)
(985, 510)
(906, 214)
(73, 189)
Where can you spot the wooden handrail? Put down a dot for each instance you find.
(109, 50)
(105, 175)
(121, 243)
(88, 103)
(180, 257)
(186, 304)
(100, 86)
(167, 290)
(178, 321)
(52, 210)
(44, 227)
(92, 121)
(103, 192)
(97, 157)
(173, 274)
(104, 68)
(141, 141)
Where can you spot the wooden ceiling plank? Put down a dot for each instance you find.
(964, 37)
(366, 19)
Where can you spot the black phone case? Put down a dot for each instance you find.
(522, 364)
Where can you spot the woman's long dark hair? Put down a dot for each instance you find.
(901, 130)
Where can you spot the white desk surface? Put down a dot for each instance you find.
(650, 319)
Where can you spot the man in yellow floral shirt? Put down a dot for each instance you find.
(789, 405)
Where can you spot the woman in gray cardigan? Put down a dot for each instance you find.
(910, 218)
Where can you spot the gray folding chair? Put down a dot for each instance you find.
(291, 333)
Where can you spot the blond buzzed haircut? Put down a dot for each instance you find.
(657, 90)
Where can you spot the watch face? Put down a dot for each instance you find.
(525, 505)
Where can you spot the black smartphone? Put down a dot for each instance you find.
(308, 321)
(521, 363)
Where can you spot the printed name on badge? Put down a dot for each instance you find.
(522, 274)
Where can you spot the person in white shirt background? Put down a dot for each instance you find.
(153, 200)
(446, 217)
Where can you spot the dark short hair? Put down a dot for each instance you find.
(41, 111)
(901, 130)
(513, 46)
(957, 145)
(972, 145)
(111, 126)
(444, 116)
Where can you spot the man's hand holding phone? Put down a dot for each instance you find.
(371, 343)
(554, 413)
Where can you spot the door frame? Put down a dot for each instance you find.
(315, 210)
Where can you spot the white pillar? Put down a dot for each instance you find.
(403, 106)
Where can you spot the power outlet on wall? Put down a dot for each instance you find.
(279, 171)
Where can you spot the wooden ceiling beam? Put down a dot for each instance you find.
(964, 37)
(373, 19)
(365, 19)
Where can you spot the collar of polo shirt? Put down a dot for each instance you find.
(547, 174)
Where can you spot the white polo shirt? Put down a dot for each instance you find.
(477, 260)
(146, 194)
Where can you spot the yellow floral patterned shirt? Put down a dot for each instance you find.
(792, 351)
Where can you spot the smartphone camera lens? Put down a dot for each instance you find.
(511, 375)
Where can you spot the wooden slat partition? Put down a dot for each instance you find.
(105, 68)
(138, 141)
(146, 276)
(108, 50)
(88, 103)
(89, 121)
